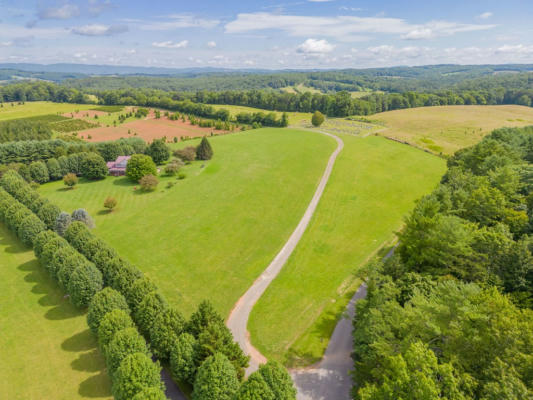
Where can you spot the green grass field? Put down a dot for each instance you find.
(48, 351)
(213, 233)
(374, 183)
(30, 109)
(446, 129)
(295, 118)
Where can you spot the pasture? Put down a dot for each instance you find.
(446, 129)
(34, 108)
(374, 183)
(47, 350)
(211, 234)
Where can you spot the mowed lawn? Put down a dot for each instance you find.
(34, 108)
(47, 350)
(213, 233)
(374, 183)
(295, 118)
(446, 129)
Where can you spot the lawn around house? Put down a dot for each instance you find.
(374, 183)
(48, 351)
(211, 234)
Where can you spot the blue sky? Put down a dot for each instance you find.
(272, 34)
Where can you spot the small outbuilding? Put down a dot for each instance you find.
(118, 167)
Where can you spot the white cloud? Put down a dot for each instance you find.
(345, 28)
(314, 46)
(485, 15)
(179, 21)
(249, 62)
(64, 12)
(212, 44)
(171, 45)
(99, 30)
(97, 7)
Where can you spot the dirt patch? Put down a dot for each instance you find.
(148, 129)
(84, 114)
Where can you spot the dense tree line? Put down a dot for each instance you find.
(28, 151)
(449, 315)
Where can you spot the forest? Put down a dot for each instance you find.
(450, 313)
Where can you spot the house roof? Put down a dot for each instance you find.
(119, 164)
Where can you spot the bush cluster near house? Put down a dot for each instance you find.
(450, 313)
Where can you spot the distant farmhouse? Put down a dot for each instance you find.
(118, 167)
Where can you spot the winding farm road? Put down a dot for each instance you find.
(238, 318)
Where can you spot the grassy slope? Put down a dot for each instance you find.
(294, 117)
(213, 233)
(47, 349)
(446, 129)
(373, 184)
(30, 109)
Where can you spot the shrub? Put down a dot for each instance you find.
(102, 303)
(204, 150)
(140, 165)
(125, 342)
(110, 203)
(182, 358)
(216, 379)
(149, 182)
(138, 291)
(152, 304)
(83, 216)
(173, 167)
(317, 119)
(39, 172)
(136, 373)
(49, 250)
(278, 380)
(41, 240)
(49, 213)
(187, 154)
(120, 276)
(255, 388)
(29, 228)
(70, 180)
(14, 215)
(112, 322)
(54, 169)
(67, 268)
(77, 234)
(159, 151)
(164, 331)
(150, 393)
(204, 316)
(94, 167)
(84, 283)
(63, 221)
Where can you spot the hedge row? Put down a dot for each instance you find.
(200, 351)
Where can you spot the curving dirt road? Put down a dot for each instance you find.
(238, 319)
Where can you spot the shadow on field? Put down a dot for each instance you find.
(81, 341)
(86, 362)
(124, 182)
(96, 386)
(10, 247)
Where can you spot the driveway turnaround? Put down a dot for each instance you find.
(238, 318)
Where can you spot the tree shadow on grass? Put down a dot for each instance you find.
(96, 386)
(87, 361)
(81, 341)
(124, 181)
(11, 243)
(64, 310)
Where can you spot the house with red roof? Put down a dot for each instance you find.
(118, 167)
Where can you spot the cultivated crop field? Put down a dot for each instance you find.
(446, 129)
(211, 234)
(374, 183)
(47, 349)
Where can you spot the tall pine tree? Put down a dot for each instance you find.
(204, 150)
